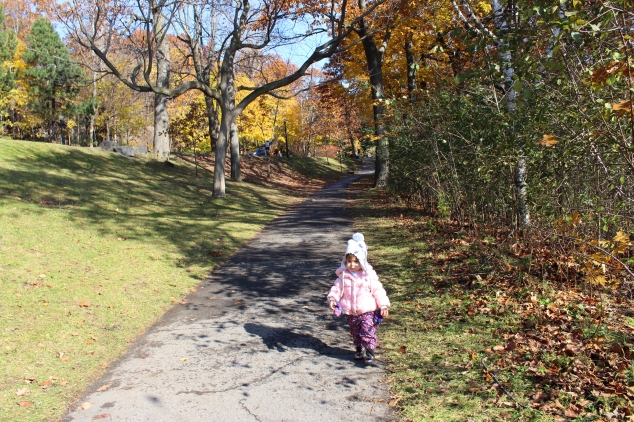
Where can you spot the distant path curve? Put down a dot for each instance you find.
(256, 341)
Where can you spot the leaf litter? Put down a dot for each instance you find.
(550, 345)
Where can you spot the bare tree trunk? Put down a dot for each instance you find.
(94, 108)
(233, 137)
(214, 121)
(220, 154)
(161, 114)
(235, 152)
(374, 59)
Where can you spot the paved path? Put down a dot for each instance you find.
(259, 340)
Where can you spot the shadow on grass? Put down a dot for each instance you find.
(142, 198)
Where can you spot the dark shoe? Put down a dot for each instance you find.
(369, 355)
(360, 355)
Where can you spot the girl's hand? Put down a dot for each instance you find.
(385, 312)
(332, 305)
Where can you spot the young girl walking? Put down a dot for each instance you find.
(358, 293)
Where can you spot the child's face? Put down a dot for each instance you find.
(352, 263)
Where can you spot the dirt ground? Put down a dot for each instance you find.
(275, 172)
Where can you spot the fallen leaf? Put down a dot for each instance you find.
(63, 382)
(548, 140)
(42, 276)
(184, 359)
(85, 406)
(572, 412)
(394, 402)
(75, 334)
(45, 383)
(22, 392)
(84, 304)
(498, 348)
(104, 387)
(102, 416)
(24, 403)
(65, 358)
(88, 342)
(402, 350)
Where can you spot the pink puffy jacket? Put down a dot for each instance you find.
(358, 294)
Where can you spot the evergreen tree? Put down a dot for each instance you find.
(8, 45)
(53, 76)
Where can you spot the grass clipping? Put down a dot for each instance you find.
(475, 334)
(95, 247)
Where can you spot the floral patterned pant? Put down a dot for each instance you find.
(363, 330)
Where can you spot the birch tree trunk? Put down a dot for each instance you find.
(411, 70)
(505, 55)
(161, 114)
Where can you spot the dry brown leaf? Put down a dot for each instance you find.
(22, 392)
(85, 406)
(402, 350)
(623, 105)
(24, 403)
(102, 416)
(548, 140)
(45, 383)
(84, 304)
(104, 387)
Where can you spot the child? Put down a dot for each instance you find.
(359, 293)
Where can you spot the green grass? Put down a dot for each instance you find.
(95, 247)
(433, 348)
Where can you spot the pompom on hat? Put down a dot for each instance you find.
(358, 248)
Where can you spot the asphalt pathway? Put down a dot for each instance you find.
(256, 341)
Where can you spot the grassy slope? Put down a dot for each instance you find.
(95, 247)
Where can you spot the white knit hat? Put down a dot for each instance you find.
(358, 248)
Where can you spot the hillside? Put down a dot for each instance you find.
(97, 246)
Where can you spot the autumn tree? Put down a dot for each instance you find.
(247, 27)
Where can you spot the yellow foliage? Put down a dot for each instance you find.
(483, 8)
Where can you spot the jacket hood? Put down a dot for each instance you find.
(358, 248)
